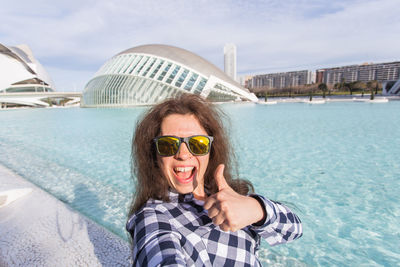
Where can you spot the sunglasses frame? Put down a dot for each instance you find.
(183, 140)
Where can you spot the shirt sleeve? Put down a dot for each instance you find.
(154, 241)
(281, 225)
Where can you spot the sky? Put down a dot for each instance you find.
(72, 39)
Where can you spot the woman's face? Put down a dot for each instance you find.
(184, 171)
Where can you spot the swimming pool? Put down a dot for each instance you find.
(336, 163)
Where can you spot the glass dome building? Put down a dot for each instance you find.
(148, 74)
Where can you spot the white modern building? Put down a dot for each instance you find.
(148, 74)
(21, 72)
(230, 60)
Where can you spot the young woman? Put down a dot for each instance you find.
(187, 209)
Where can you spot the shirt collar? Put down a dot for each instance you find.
(176, 197)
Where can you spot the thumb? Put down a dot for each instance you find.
(219, 177)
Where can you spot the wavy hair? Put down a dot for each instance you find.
(149, 179)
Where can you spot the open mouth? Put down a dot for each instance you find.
(184, 174)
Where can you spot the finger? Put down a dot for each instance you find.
(219, 219)
(213, 211)
(219, 177)
(210, 201)
(224, 227)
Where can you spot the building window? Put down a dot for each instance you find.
(161, 77)
(157, 69)
(141, 65)
(200, 86)
(135, 64)
(173, 74)
(149, 67)
(181, 78)
(131, 59)
(191, 81)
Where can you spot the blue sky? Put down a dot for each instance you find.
(73, 39)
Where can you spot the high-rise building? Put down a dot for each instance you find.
(230, 60)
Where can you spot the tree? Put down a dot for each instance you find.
(349, 86)
(336, 86)
(290, 91)
(370, 86)
(377, 86)
(323, 88)
(342, 84)
(359, 86)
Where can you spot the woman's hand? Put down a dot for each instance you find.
(230, 210)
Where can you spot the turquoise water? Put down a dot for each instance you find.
(336, 164)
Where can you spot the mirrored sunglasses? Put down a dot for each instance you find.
(198, 145)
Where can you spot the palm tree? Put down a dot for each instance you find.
(342, 84)
(376, 86)
(323, 88)
(369, 87)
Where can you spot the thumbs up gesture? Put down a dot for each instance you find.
(230, 210)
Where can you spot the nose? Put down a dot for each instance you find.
(183, 153)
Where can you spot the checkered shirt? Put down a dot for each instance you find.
(179, 233)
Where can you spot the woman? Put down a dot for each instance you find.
(187, 209)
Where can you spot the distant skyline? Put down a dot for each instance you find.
(73, 39)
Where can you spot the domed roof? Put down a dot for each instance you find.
(182, 56)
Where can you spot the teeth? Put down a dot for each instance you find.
(183, 169)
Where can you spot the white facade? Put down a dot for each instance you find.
(230, 60)
(21, 72)
(148, 74)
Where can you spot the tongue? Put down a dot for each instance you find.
(183, 175)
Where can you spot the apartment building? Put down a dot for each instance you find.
(366, 72)
(282, 79)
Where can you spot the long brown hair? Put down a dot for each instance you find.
(148, 178)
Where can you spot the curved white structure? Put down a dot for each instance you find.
(148, 74)
(20, 72)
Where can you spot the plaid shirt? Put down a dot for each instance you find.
(179, 233)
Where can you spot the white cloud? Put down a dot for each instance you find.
(74, 38)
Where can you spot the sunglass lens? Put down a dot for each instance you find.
(167, 145)
(199, 145)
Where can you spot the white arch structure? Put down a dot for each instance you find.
(148, 74)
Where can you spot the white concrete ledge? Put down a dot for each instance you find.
(36, 229)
